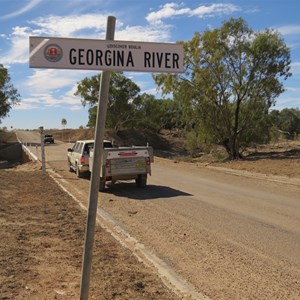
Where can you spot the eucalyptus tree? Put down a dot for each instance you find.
(9, 95)
(233, 75)
(122, 93)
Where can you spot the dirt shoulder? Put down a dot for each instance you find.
(279, 159)
(42, 232)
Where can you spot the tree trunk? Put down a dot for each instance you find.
(231, 147)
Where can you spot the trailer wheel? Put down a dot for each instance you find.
(141, 181)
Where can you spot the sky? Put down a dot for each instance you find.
(47, 95)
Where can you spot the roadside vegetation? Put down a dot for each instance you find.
(233, 76)
(9, 95)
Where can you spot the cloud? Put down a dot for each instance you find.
(214, 10)
(144, 34)
(289, 30)
(172, 9)
(295, 68)
(43, 100)
(25, 105)
(68, 26)
(47, 88)
(287, 100)
(87, 25)
(43, 81)
(21, 11)
(167, 11)
(18, 52)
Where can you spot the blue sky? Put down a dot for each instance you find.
(48, 95)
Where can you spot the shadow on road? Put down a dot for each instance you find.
(150, 192)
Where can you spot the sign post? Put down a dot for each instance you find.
(95, 176)
(107, 55)
(41, 128)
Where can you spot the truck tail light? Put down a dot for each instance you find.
(148, 162)
(82, 160)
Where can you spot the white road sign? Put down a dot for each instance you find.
(87, 54)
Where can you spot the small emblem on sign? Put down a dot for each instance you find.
(53, 53)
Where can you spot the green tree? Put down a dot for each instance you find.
(155, 114)
(287, 121)
(63, 122)
(232, 77)
(122, 93)
(9, 96)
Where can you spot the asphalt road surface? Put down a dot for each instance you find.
(226, 236)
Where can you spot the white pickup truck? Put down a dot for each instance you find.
(125, 163)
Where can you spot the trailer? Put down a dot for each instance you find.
(125, 163)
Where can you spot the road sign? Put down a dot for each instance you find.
(88, 54)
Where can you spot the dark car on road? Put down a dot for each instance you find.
(48, 138)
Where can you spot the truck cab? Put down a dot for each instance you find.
(78, 156)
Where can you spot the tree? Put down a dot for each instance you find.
(122, 93)
(8, 94)
(232, 77)
(287, 121)
(155, 114)
(64, 124)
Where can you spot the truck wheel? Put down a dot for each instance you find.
(70, 167)
(141, 181)
(102, 185)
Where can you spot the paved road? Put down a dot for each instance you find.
(229, 236)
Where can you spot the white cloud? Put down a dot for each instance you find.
(25, 106)
(146, 34)
(289, 30)
(67, 26)
(47, 89)
(172, 9)
(214, 10)
(167, 10)
(295, 68)
(76, 107)
(18, 52)
(43, 81)
(22, 10)
(286, 100)
(88, 25)
(40, 101)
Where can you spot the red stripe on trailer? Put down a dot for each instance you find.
(127, 153)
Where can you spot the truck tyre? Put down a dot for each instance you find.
(141, 181)
(102, 185)
(70, 167)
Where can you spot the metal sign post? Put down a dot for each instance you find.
(43, 149)
(95, 176)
